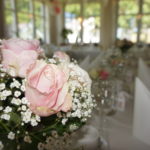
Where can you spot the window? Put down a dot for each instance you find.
(39, 19)
(127, 21)
(146, 7)
(133, 20)
(91, 23)
(85, 24)
(10, 18)
(145, 32)
(73, 21)
(26, 19)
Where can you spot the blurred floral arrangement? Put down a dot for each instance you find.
(124, 45)
(111, 68)
(42, 101)
(101, 73)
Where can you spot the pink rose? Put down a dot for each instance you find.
(47, 89)
(62, 56)
(18, 55)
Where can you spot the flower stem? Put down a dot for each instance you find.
(5, 127)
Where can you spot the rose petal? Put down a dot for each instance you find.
(67, 104)
(34, 72)
(61, 97)
(25, 59)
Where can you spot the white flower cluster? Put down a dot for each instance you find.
(29, 117)
(80, 90)
(73, 127)
(6, 115)
(17, 88)
(15, 83)
(4, 94)
(11, 135)
(26, 114)
(2, 86)
(83, 104)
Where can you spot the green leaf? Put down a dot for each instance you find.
(15, 118)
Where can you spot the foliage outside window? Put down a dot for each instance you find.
(10, 22)
(73, 22)
(25, 18)
(127, 22)
(39, 19)
(146, 6)
(129, 16)
(145, 32)
(90, 21)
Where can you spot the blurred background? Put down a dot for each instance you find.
(58, 22)
(111, 41)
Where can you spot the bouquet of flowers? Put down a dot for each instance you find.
(42, 101)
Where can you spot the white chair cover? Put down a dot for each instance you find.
(141, 122)
(141, 119)
(144, 73)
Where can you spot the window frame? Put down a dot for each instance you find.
(15, 13)
(139, 23)
(82, 16)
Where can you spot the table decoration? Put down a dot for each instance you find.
(124, 45)
(106, 75)
(42, 100)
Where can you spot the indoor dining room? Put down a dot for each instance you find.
(74, 74)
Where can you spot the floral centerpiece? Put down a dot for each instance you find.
(99, 73)
(42, 101)
(124, 45)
